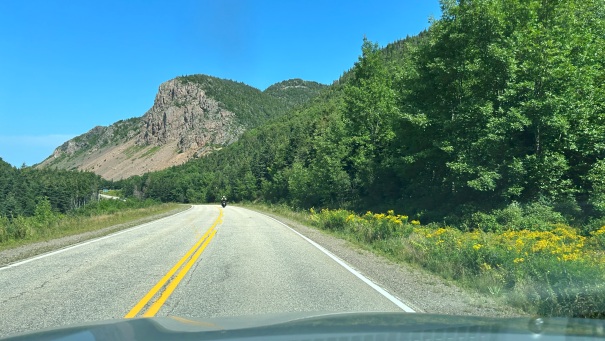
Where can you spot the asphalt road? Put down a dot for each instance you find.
(204, 262)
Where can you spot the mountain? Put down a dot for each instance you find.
(295, 91)
(191, 117)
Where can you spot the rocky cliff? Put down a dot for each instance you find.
(191, 116)
(182, 113)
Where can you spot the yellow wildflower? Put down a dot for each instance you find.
(571, 256)
(440, 231)
(379, 216)
(540, 245)
(437, 233)
(599, 232)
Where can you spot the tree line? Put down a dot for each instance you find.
(24, 189)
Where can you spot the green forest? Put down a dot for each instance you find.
(23, 189)
(252, 106)
(498, 105)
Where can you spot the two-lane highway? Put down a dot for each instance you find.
(203, 262)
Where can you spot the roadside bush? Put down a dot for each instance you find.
(598, 238)
(44, 218)
(20, 227)
(540, 217)
(485, 222)
(533, 217)
(369, 228)
(570, 288)
(45, 222)
(592, 226)
(523, 254)
(383, 226)
(553, 273)
(4, 225)
(334, 220)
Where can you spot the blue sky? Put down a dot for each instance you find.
(68, 66)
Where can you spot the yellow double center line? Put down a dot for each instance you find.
(196, 251)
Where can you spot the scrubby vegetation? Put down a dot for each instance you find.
(47, 224)
(43, 204)
(295, 92)
(252, 106)
(553, 271)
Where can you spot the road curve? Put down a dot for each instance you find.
(240, 263)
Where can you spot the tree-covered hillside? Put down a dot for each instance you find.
(499, 104)
(22, 189)
(295, 92)
(252, 106)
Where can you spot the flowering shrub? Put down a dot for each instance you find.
(369, 227)
(598, 238)
(330, 219)
(549, 272)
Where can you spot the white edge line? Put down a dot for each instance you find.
(90, 241)
(367, 281)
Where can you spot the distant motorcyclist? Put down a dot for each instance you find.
(224, 201)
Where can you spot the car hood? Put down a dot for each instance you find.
(299, 326)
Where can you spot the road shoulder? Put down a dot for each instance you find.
(422, 291)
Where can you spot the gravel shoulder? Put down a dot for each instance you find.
(22, 252)
(422, 291)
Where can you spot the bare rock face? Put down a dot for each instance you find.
(83, 142)
(182, 112)
(182, 124)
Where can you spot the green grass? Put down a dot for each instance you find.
(150, 151)
(68, 225)
(133, 150)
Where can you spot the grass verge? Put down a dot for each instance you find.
(555, 272)
(24, 231)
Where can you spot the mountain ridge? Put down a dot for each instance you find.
(191, 117)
